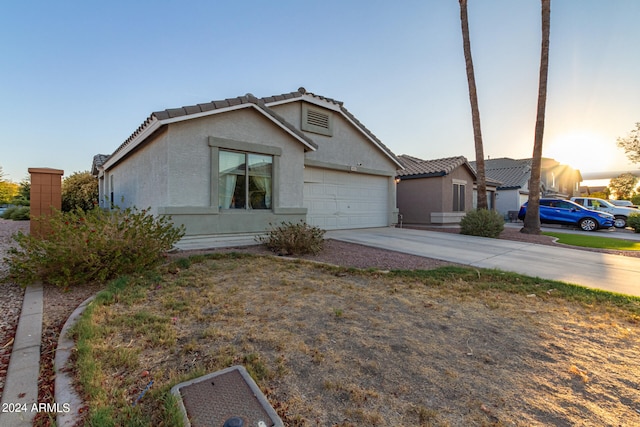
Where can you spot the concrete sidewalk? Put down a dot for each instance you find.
(20, 392)
(597, 270)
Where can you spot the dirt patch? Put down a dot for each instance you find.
(334, 348)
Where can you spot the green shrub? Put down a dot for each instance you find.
(482, 222)
(633, 221)
(7, 213)
(294, 239)
(17, 213)
(83, 247)
(79, 191)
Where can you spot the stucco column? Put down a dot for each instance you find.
(46, 196)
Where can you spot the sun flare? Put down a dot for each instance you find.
(583, 150)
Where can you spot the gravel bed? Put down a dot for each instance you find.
(12, 295)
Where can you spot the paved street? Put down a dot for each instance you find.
(592, 269)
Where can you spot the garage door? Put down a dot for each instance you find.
(337, 200)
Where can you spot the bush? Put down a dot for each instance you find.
(79, 191)
(294, 239)
(482, 222)
(17, 213)
(633, 221)
(83, 247)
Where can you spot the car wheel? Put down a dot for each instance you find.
(588, 224)
(620, 222)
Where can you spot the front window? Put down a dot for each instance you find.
(458, 197)
(244, 181)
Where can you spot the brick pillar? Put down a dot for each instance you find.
(46, 195)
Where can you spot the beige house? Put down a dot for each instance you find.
(437, 191)
(237, 165)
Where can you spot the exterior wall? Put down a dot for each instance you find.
(346, 150)
(510, 200)
(418, 198)
(347, 147)
(193, 172)
(430, 200)
(190, 158)
(141, 180)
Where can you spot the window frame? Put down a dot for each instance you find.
(459, 197)
(246, 183)
(216, 144)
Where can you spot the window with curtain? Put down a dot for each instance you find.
(244, 181)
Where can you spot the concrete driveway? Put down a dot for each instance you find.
(592, 269)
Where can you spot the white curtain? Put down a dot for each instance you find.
(263, 183)
(226, 188)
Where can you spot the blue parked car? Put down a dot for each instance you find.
(558, 211)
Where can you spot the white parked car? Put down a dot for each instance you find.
(621, 213)
(625, 203)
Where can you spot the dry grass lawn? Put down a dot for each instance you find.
(337, 347)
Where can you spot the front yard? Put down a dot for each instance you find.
(342, 347)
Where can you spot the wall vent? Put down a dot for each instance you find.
(317, 120)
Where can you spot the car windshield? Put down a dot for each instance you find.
(605, 203)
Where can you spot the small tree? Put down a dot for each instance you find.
(8, 190)
(631, 144)
(623, 186)
(23, 198)
(79, 191)
(600, 194)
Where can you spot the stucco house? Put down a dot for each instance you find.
(439, 191)
(556, 180)
(237, 165)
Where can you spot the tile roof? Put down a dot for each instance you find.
(512, 173)
(418, 168)
(198, 109)
(261, 103)
(98, 161)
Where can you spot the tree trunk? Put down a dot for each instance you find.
(475, 111)
(532, 219)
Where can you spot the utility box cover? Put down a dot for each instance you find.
(210, 400)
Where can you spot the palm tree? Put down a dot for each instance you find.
(532, 219)
(475, 111)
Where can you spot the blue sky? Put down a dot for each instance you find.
(78, 77)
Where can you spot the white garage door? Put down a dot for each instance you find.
(337, 200)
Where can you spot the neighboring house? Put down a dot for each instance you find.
(238, 165)
(435, 191)
(556, 180)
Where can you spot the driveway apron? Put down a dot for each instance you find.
(597, 270)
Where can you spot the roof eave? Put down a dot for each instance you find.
(156, 124)
(422, 175)
(147, 131)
